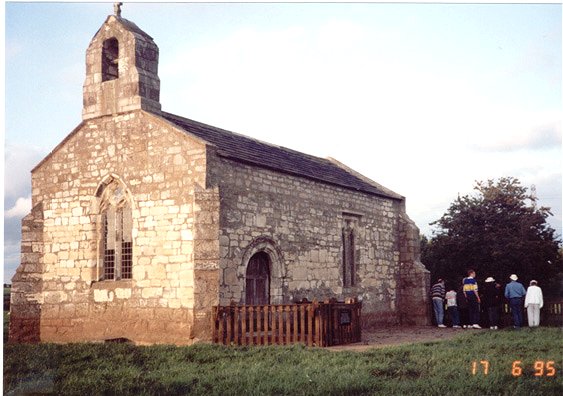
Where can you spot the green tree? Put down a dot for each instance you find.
(498, 231)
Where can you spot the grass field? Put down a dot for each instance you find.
(438, 368)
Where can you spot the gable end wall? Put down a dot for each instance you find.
(162, 168)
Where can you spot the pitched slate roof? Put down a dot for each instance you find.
(251, 151)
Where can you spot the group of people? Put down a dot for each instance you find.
(464, 305)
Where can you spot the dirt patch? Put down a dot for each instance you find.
(388, 336)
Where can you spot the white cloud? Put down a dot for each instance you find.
(20, 209)
(427, 132)
(524, 131)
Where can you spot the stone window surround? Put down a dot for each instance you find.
(349, 281)
(96, 208)
(277, 266)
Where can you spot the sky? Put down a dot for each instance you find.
(423, 98)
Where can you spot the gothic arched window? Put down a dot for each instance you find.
(110, 56)
(116, 242)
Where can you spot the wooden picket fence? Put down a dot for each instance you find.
(550, 315)
(312, 324)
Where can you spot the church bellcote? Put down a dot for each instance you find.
(121, 70)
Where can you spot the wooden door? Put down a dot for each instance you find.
(258, 280)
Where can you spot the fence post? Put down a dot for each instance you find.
(287, 325)
(258, 327)
(295, 320)
(220, 315)
(251, 326)
(262, 325)
(274, 324)
(229, 318)
(301, 322)
(236, 324)
(310, 313)
(244, 318)
(280, 325)
(214, 310)
(265, 324)
(316, 323)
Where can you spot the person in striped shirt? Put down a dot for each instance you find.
(438, 292)
(471, 291)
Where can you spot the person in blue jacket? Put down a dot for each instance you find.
(515, 292)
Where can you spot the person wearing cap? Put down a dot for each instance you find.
(471, 291)
(492, 302)
(515, 292)
(438, 293)
(533, 303)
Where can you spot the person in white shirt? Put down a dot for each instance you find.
(451, 307)
(533, 303)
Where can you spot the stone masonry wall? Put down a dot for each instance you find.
(299, 223)
(27, 283)
(206, 260)
(161, 169)
(414, 286)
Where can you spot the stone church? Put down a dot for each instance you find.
(143, 220)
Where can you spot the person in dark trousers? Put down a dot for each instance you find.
(471, 291)
(451, 307)
(463, 307)
(492, 300)
(438, 293)
(515, 293)
(498, 286)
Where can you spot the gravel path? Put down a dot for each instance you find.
(400, 335)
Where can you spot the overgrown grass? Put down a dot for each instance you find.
(434, 368)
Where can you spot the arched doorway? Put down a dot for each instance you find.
(258, 279)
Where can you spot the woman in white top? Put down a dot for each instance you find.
(533, 303)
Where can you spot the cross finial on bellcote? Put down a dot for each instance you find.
(117, 9)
